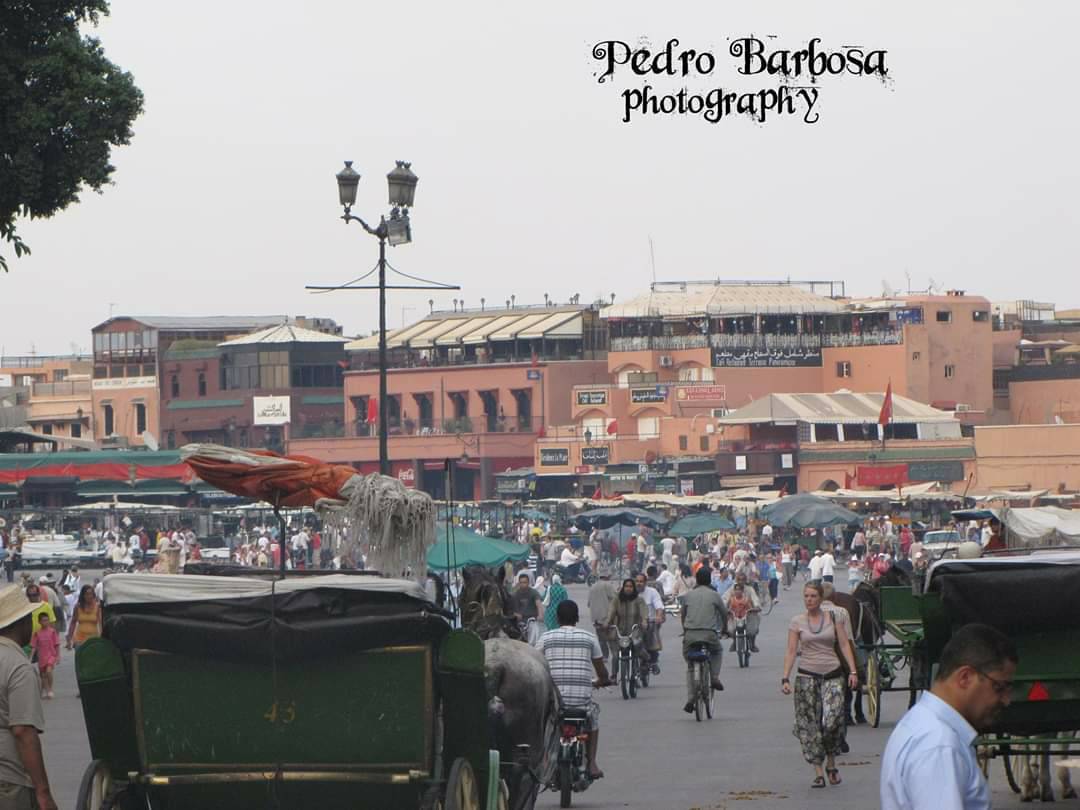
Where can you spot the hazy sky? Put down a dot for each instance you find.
(963, 169)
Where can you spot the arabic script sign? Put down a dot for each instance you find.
(766, 358)
(271, 410)
(655, 394)
(594, 454)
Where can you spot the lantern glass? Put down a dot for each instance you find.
(402, 185)
(347, 181)
(398, 230)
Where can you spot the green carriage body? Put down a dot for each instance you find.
(1035, 600)
(371, 716)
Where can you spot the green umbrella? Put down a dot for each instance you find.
(465, 547)
(807, 511)
(700, 523)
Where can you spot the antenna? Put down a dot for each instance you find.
(652, 260)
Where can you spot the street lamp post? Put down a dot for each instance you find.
(397, 231)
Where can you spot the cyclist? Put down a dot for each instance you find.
(753, 621)
(703, 612)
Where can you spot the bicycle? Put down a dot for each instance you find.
(742, 643)
(701, 675)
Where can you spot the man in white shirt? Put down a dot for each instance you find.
(668, 545)
(666, 580)
(828, 565)
(929, 762)
(654, 611)
(817, 564)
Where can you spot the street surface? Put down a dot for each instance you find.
(653, 755)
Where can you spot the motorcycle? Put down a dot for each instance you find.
(572, 772)
(576, 573)
(742, 643)
(630, 672)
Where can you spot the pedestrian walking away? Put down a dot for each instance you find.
(819, 686)
(702, 613)
(929, 762)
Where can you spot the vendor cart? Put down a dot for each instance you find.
(1035, 599)
(332, 691)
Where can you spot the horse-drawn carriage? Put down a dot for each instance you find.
(1034, 598)
(328, 691)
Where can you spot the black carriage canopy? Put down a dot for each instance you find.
(248, 618)
(1014, 594)
(607, 517)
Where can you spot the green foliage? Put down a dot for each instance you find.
(63, 105)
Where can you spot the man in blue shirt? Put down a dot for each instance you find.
(929, 762)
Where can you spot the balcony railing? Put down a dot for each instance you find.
(64, 388)
(876, 337)
(659, 343)
(449, 427)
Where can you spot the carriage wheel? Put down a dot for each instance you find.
(873, 689)
(462, 792)
(94, 787)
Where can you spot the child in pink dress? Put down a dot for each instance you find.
(46, 643)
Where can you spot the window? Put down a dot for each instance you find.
(170, 440)
(703, 443)
(76, 430)
(916, 355)
(140, 417)
(944, 316)
(202, 383)
(47, 430)
(787, 460)
(950, 371)
(174, 386)
(980, 315)
(107, 418)
(843, 368)
(683, 442)
(648, 427)
(595, 426)
(740, 463)
(59, 375)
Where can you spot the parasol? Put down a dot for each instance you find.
(700, 523)
(459, 547)
(807, 512)
(395, 524)
(605, 518)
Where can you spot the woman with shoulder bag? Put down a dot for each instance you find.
(819, 684)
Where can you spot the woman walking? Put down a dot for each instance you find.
(819, 684)
(554, 597)
(787, 561)
(86, 621)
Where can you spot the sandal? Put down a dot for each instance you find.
(834, 775)
(819, 782)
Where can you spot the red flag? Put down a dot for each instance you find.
(372, 410)
(848, 480)
(886, 407)
(613, 427)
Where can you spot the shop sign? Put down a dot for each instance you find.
(701, 393)
(532, 374)
(596, 454)
(510, 484)
(271, 410)
(655, 394)
(115, 383)
(622, 476)
(554, 456)
(882, 475)
(936, 471)
(686, 486)
(592, 397)
(766, 358)
(582, 469)
(407, 477)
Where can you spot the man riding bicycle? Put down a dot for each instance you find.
(753, 619)
(703, 612)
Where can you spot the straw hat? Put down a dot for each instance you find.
(13, 605)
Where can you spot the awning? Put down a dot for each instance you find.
(57, 417)
(480, 332)
(514, 329)
(402, 336)
(454, 336)
(559, 325)
(426, 339)
(746, 480)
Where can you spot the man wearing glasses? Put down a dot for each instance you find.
(929, 762)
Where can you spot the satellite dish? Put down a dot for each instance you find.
(150, 440)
